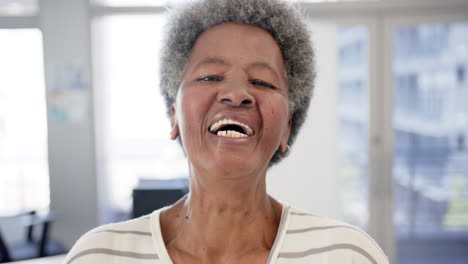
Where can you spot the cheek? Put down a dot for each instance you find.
(276, 114)
(187, 106)
(193, 108)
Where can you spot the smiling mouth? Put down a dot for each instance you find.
(231, 128)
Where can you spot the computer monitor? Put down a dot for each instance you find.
(151, 195)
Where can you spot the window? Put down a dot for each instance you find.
(134, 131)
(353, 123)
(431, 156)
(24, 176)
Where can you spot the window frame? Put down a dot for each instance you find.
(19, 22)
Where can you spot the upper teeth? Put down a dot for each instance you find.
(231, 133)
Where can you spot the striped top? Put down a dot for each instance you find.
(301, 238)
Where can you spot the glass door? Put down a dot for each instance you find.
(430, 128)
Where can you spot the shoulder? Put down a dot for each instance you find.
(308, 235)
(129, 241)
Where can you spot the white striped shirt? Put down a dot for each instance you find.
(301, 238)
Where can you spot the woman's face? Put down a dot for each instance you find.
(231, 109)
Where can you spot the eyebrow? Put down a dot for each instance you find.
(261, 64)
(212, 60)
(220, 61)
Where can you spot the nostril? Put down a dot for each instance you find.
(237, 103)
(247, 102)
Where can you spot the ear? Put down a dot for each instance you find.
(174, 125)
(284, 141)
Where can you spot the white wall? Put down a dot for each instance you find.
(73, 184)
(308, 178)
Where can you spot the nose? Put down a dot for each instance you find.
(236, 95)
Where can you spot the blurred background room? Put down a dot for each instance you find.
(84, 135)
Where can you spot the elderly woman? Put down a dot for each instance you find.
(237, 76)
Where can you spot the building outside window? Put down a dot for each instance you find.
(431, 155)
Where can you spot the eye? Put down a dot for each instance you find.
(210, 78)
(262, 83)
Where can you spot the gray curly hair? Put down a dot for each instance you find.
(281, 20)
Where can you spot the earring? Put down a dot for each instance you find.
(287, 152)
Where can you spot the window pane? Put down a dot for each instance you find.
(24, 176)
(353, 122)
(134, 129)
(431, 132)
(18, 7)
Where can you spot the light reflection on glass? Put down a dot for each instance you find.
(431, 154)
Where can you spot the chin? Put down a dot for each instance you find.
(234, 166)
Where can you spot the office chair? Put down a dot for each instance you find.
(32, 247)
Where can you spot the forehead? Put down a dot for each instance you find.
(238, 43)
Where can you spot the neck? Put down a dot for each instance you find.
(221, 216)
(220, 196)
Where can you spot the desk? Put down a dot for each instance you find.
(47, 260)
